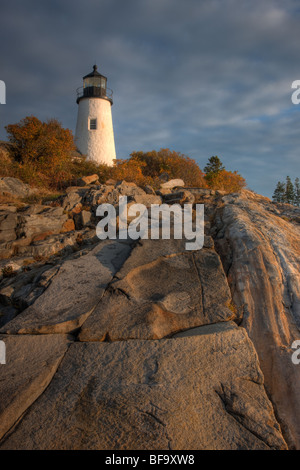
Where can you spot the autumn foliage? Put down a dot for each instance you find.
(35, 141)
(146, 167)
(217, 177)
(43, 154)
(228, 181)
(41, 149)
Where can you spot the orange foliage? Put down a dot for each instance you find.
(34, 140)
(229, 181)
(152, 164)
(41, 150)
(41, 154)
(129, 170)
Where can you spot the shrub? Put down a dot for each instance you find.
(35, 141)
(229, 181)
(43, 154)
(218, 178)
(146, 167)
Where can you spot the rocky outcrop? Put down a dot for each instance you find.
(22, 227)
(260, 247)
(31, 364)
(15, 188)
(45, 230)
(172, 184)
(74, 292)
(144, 345)
(198, 392)
(160, 290)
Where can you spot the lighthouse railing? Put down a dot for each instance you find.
(94, 92)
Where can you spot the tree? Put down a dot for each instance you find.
(229, 181)
(42, 151)
(35, 141)
(297, 192)
(214, 166)
(218, 178)
(279, 193)
(212, 170)
(176, 164)
(289, 191)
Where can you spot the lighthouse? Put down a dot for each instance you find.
(94, 136)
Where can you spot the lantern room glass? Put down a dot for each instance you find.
(95, 82)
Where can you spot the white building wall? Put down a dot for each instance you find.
(99, 144)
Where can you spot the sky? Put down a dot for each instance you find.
(201, 77)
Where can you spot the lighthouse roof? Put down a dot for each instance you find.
(94, 73)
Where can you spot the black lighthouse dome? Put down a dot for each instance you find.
(94, 86)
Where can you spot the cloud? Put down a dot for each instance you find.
(204, 78)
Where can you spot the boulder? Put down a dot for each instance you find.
(73, 293)
(47, 245)
(68, 226)
(202, 392)
(15, 188)
(147, 199)
(129, 189)
(148, 189)
(31, 362)
(179, 197)
(50, 219)
(8, 208)
(111, 182)
(158, 360)
(23, 289)
(73, 198)
(261, 254)
(86, 180)
(8, 226)
(160, 290)
(83, 219)
(172, 184)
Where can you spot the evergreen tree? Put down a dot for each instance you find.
(212, 170)
(289, 191)
(279, 193)
(297, 192)
(214, 166)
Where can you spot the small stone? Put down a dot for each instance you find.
(172, 184)
(68, 226)
(86, 180)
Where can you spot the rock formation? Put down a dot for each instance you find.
(122, 344)
(260, 246)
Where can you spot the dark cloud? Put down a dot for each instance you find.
(201, 77)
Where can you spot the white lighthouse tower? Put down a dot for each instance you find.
(94, 135)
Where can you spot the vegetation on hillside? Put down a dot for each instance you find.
(217, 177)
(43, 154)
(146, 167)
(287, 192)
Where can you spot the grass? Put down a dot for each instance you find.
(45, 197)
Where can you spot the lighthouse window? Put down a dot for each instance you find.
(93, 124)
